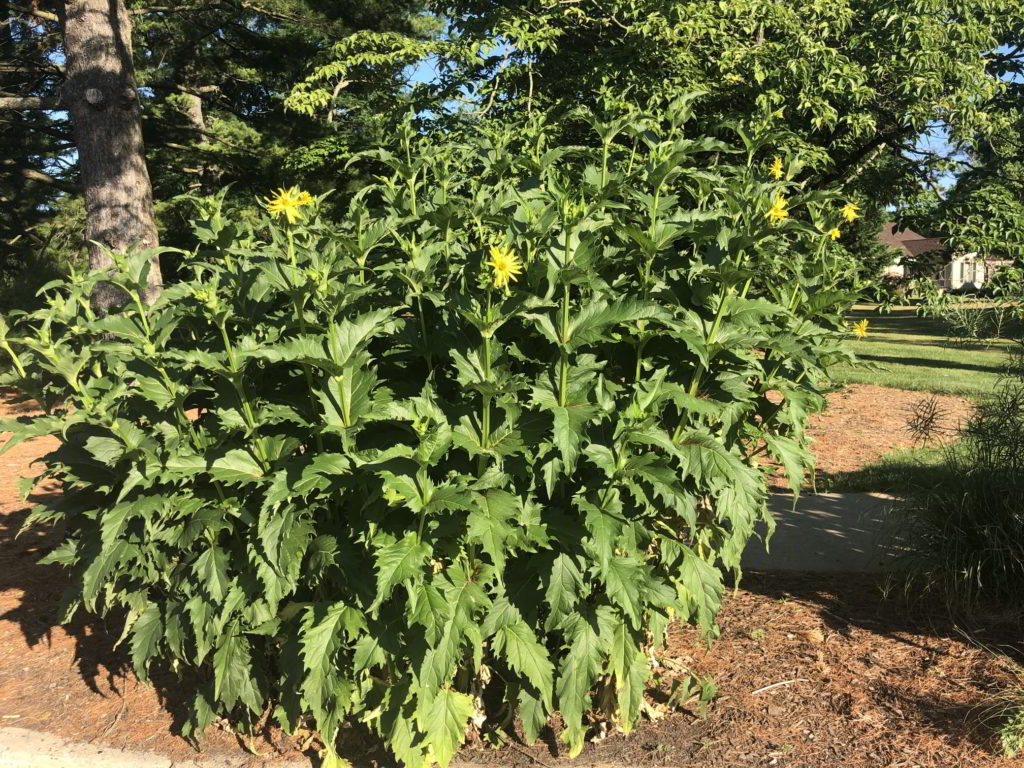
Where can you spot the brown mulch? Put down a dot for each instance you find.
(863, 422)
(866, 681)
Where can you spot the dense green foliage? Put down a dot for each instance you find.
(982, 210)
(852, 83)
(343, 473)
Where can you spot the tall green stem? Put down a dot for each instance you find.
(563, 371)
(699, 373)
(14, 357)
(300, 313)
(239, 385)
(423, 333)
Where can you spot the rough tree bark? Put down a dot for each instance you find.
(101, 97)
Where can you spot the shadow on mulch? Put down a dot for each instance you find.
(103, 665)
(38, 613)
(882, 606)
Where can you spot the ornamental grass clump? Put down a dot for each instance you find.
(457, 460)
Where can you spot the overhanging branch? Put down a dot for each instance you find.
(8, 103)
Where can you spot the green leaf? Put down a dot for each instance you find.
(489, 526)
(236, 467)
(526, 656)
(533, 714)
(563, 588)
(605, 527)
(700, 586)
(577, 674)
(623, 577)
(631, 670)
(397, 562)
(429, 609)
(211, 568)
(320, 634)
(445, 724)
(95, 575)
(147, 632)
(232, 671)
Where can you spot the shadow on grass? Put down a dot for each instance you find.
(904, 322)
(924, 362)
(897, 473)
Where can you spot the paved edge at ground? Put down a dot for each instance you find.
(846, 532)
(22, 748)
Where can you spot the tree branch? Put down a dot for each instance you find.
(44, 15)
(32, 174)
(29, 102)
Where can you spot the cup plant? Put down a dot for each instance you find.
(458, 460)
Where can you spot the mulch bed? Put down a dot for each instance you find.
(863, 422)
(860, 679)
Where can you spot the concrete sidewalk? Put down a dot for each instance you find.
(22, 748)
(824, 532)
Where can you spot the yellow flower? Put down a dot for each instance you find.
(860, 330)
(776, 169)
(778, 211)
(849, 211)
(506, 266)
(834, 233)
(288, 203)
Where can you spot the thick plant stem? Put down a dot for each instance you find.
(239, 385)
(699, 373)
(563, 370)
(485, 415)
(423, 334)
(300, 314)
(14, 358)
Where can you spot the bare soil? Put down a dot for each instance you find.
(860, 679)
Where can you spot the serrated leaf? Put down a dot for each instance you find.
(147, 632)
(624, 578)
(211, 570)
(526, 656)
(397, 562)
(236, 467)
(445, 724)
(563, 588)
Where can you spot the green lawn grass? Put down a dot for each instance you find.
(904, 351)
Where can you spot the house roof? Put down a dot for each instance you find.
(909, 241)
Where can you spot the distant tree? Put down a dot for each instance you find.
(851, 83)
(983, 210)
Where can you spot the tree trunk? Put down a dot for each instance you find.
(101, 97)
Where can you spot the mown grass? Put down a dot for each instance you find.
(904, 351)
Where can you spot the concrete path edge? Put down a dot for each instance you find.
(22, 748)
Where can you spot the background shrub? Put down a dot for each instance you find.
(963, 534)
(345, 471)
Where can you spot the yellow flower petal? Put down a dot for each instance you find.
(506, 266)
(288, 203)
(778, 211)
